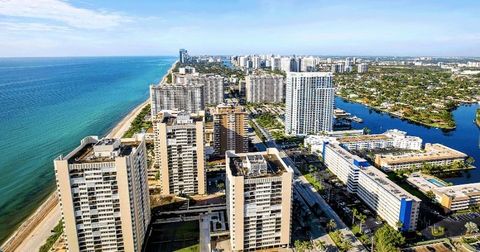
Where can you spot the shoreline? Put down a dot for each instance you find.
(30, 226)
(399, 116)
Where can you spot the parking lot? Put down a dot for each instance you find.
(438, 247)
(454, 225)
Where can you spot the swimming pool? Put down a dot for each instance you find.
(436, 182)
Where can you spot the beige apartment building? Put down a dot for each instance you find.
(230, 126)
(451, 197)
(103, 190)
(179, 152)
(434, 154)
(259, 200)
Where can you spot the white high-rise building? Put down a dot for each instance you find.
(104, 195)
(285, 64)
(212, 85)
(268, 88)
(338, 68)
(309, 103)
(256, 62)
(275, 63)
(242, 61)
(362, 68)
(308, 64)
(183, 56)
(179, 152)
(189, 98)
(259, 200)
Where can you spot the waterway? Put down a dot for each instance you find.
(465, 137)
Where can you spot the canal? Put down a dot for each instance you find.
(464, 138)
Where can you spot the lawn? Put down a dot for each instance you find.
(316, 184)
(179, 236)
(193, 248)
(139, 122)
(57, 231)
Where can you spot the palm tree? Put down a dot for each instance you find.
(470, 160)
(331, 225)
(399, 225)
(298, 246)
(346, 245)
(319, 245)
(362, 219)
(354, 215)
(471, 227)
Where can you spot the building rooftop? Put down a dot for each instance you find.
(361, 138)
(373, 173)
(92, 150)
(310, 74)
(229, 108)
(256, 165)
(432, 152)
(172, 117)
(381, 178)
(427, 183)
(459, 192)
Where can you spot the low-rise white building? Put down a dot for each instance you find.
(390, 139)
(387, 199)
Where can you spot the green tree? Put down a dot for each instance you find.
(470, 160)
(387, 239)
(471, 227)
(354, 215)
(430, 195)
(319, 245)
(362, 219)
(331, 225)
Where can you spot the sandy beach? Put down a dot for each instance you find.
(35, 230)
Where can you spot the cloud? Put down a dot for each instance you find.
(63, 12)
(38, 27)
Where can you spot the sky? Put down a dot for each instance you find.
(225, 27)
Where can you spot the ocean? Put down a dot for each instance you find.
(47, 105)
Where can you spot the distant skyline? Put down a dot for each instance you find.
(117, 28)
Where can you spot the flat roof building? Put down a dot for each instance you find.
(389, 139)
(212, 85)
(264, 88)
(187, 97)
(179, 152)
(230, 128)
(451, 197)
(309, 103)
(434, 154)
(386, 198)
(259, 200)
(103, 190)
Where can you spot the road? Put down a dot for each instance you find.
(308, 192)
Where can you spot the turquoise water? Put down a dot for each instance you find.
(47, 105)
(436, 182)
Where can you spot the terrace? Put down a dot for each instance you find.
(256, 166)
